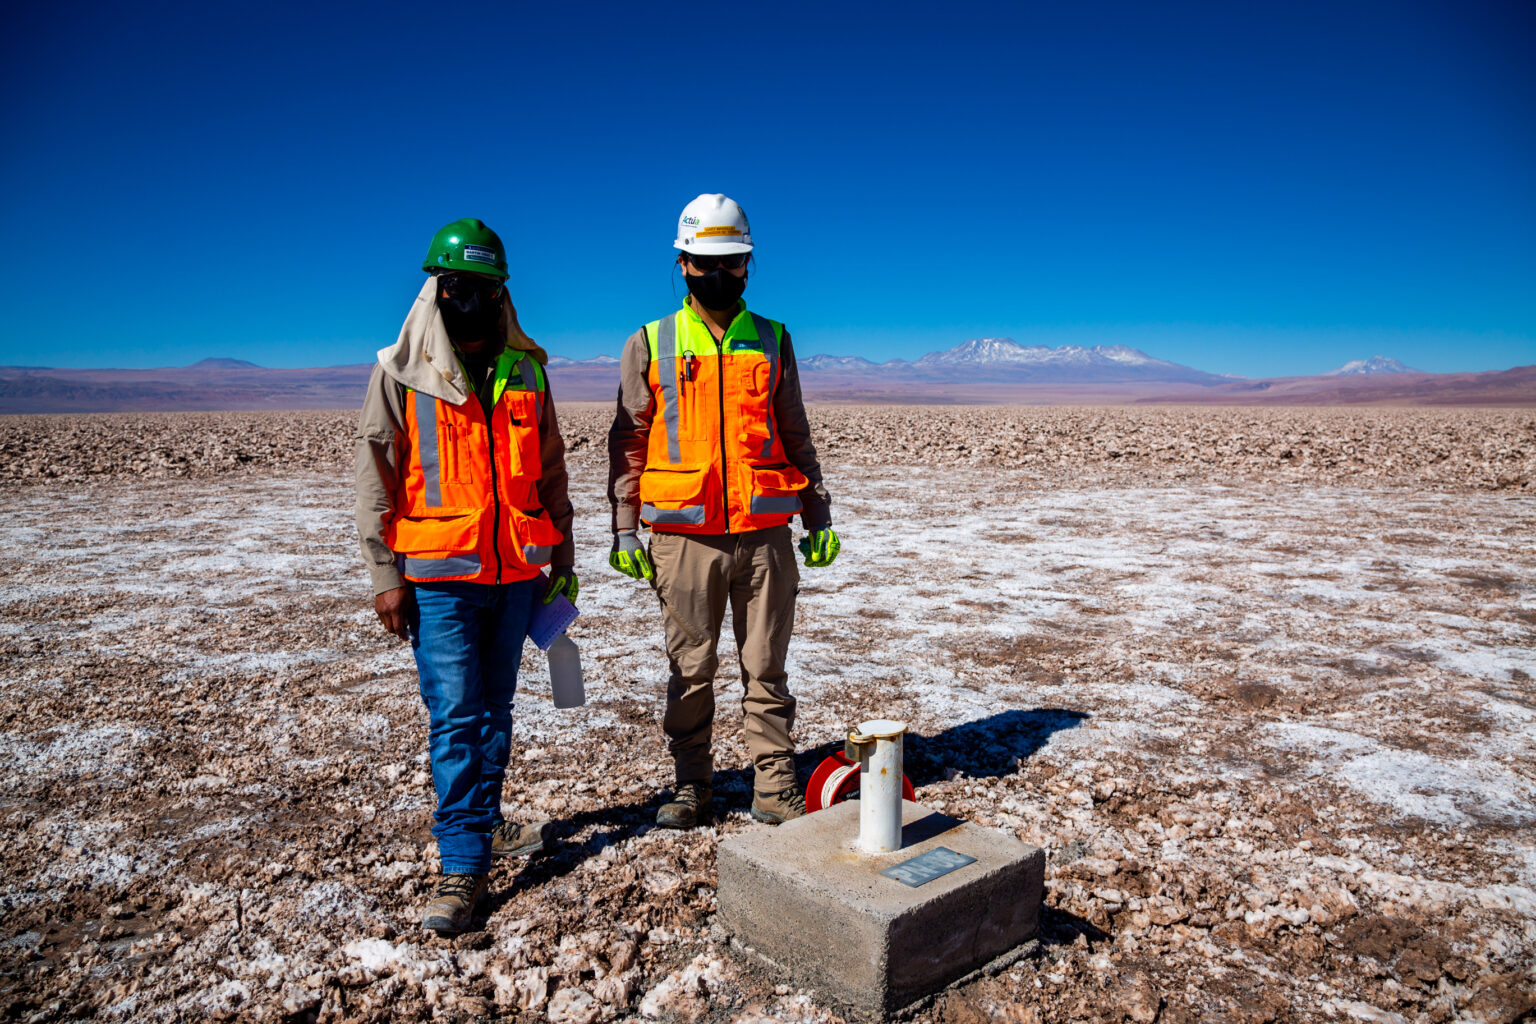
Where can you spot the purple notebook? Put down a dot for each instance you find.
(550, 620)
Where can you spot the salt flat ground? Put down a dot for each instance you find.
(1278, 739)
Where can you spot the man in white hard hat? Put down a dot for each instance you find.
(710, 447)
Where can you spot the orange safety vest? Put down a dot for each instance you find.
(714, 462)
(467, 507)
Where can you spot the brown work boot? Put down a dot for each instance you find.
(453, 904)
(777, 808)
(512, 840)
(689, 806)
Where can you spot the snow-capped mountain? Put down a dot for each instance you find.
(984, 350)
(1005, 359)
(836, 363)
(1007, 352)
(604, 360)
(1375, 364)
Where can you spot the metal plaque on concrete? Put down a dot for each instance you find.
(925, 867)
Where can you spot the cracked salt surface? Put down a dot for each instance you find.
(1208, 650)
(74, 752)
(1412, 783)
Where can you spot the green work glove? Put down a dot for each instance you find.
(629, 556)
(820, 547)
(562, 580)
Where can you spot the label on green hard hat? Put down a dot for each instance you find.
(480, 254)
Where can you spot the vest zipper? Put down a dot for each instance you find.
(489, 419)
(490, 442)
(725, 476)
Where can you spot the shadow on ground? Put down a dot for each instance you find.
(984, 749)
(1060, 927)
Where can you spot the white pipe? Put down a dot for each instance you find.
(880, 785)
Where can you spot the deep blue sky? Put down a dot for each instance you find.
(1251, 189)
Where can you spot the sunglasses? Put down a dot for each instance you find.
(462, 286)
(730, 261)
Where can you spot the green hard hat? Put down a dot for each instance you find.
(466, 245)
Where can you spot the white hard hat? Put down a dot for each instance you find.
(713, 225)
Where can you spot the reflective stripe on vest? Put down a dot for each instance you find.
(771, 353)
(666, 351)
(767, 504)
(672, 516)
(463, 565)
(426, 432)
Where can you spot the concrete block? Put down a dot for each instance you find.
(803, 897)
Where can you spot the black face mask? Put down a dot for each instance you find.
(718, 289)
(471, 317)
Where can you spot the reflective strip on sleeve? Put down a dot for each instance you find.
(691, 516)
(539, 387)
(426, 443)
(430, 568)
(776, 504)
(666, 372)
(771, 353)
(537, 554)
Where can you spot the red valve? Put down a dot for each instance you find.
(836, 779)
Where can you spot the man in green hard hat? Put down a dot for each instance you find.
(461, 503)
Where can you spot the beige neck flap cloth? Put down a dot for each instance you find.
(422, 358)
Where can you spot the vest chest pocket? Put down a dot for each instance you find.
(762, 374)
(697, 380)
(746, 402)
(459, 464)
(520, 408)
(755, 377)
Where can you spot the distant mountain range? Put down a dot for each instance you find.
(1006, 359)
(1000, 370)
(558, 361)
(982, 370)
(1373, 365)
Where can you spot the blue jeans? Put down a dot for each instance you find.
(468, 640)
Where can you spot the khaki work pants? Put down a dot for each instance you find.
(695, 576)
